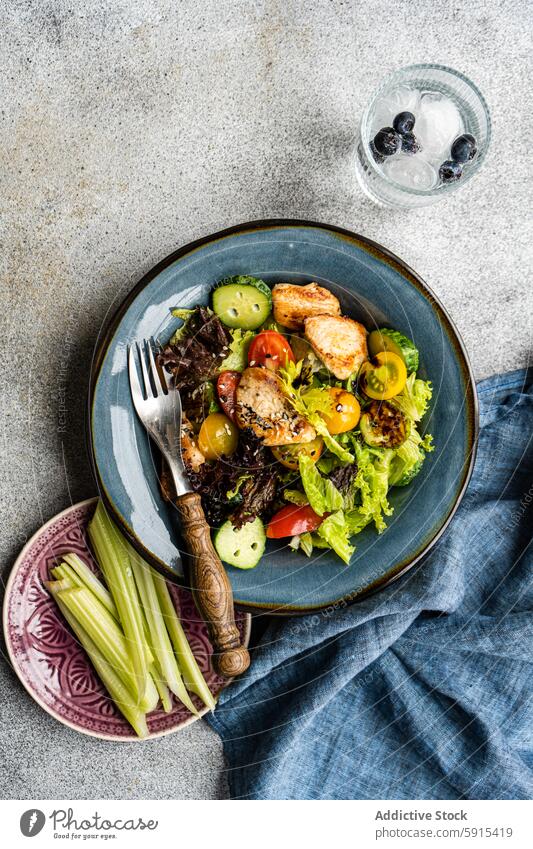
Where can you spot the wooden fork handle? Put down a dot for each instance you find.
(211, 588)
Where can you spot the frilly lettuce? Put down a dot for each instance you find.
(413, 400)
(185, 315)
(334, 533)
(373, 469)
(237, 359)
(310, 403)
(322, 494)
(348, 515)
(335, 530)
(408, 458)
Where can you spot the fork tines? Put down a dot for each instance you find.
(154, 378)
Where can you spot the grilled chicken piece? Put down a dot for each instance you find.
(293, 304)
(192, 456)
(263, 407)
(340, 343)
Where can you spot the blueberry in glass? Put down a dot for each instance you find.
(387, 141)
(464, 148)
(377, 156)
(410, 143)
(450, 171)
(404, 122)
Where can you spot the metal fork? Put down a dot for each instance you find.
(158, 405)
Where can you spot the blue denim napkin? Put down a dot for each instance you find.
(424, 690)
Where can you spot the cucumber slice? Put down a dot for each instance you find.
(241, 547)
(243, 302)
(246, 280)
(367, 432)
(392, 340)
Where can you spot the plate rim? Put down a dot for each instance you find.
(115, 738)
(106, 335)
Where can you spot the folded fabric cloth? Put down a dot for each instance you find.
(422, 691)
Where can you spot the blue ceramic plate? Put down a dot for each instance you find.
(375, 288)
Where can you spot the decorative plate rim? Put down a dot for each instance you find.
(377, 250)
(26, 683)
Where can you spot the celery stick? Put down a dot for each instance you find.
(153, 673)
(191, 672)
(115, 564)
(103, 630)
(116, 689)
(166, 660)
(65, 571)
(151, 696)
(89, 579)
(149, 649)
(162, 689)
(68, 572)
(61, 573)
(150, 699)
(57, 586)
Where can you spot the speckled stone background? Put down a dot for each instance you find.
(130, 128)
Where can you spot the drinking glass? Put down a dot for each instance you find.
(445, 104)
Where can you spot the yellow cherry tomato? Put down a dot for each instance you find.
(218, 436)
(288, 455)
(384, 377)
(345, 411)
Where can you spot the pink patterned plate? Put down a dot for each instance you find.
(50, 663)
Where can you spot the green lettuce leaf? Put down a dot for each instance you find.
(327, 464)
(306, 544)
(330, 442)
(318, 542)
(356, 521)
(372, 480)
(413, 400)
(323, 495)
(303, 542)
(409, 457)
(294, 543)
(427, 443)
(309, 403)
(335, 530)
(241, 480)
(294, 496)
(270, 323)
(185, 316)
(237, 359)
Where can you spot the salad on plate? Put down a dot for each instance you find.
(297, 421)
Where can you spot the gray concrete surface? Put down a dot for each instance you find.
(129, 128)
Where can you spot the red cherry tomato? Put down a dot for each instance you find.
(270, 349)
(227, 384)
(292, 520)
